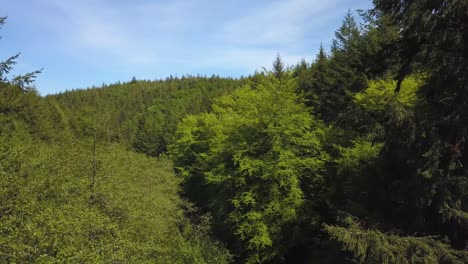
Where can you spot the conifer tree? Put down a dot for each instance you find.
(421, 185)
(22, 81)
(278, 67)
(346, 42)
(433, 137)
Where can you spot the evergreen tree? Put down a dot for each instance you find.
(21, 81)
(346, 58)
(323, 98)
(421, 184)
(278, 69)
(347, 39)
(433, 136)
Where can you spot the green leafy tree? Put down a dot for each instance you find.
(249, 157)
(22, 81)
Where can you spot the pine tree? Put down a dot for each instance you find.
(278, 69)
(324, 98)
(347, 39)
(433, 137)
(421, 185)
(372, 246)
(333, 79)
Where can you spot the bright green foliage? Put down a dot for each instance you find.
(160, 234)
(251, 153)
(134, 218)
(355, 177)
(362, 152)
(380, 95)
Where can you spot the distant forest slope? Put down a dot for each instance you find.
(143, 114)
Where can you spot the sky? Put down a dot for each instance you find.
(81, 43)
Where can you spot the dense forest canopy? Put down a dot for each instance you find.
(357, 156)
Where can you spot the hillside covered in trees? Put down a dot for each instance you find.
(356, 156)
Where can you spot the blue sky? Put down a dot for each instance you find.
(81, 43)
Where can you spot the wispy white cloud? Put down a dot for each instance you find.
(280, 23)
(151, 38)
(122, 32)
(153, 32)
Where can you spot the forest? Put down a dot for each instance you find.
(358, 155)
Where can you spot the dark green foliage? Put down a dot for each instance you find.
(278, 69)
(376, 45)
(429, 143)
(370, 246)
(332, 79)
(346, 60)
(156, 126)
(421, 177)
(318, 86)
